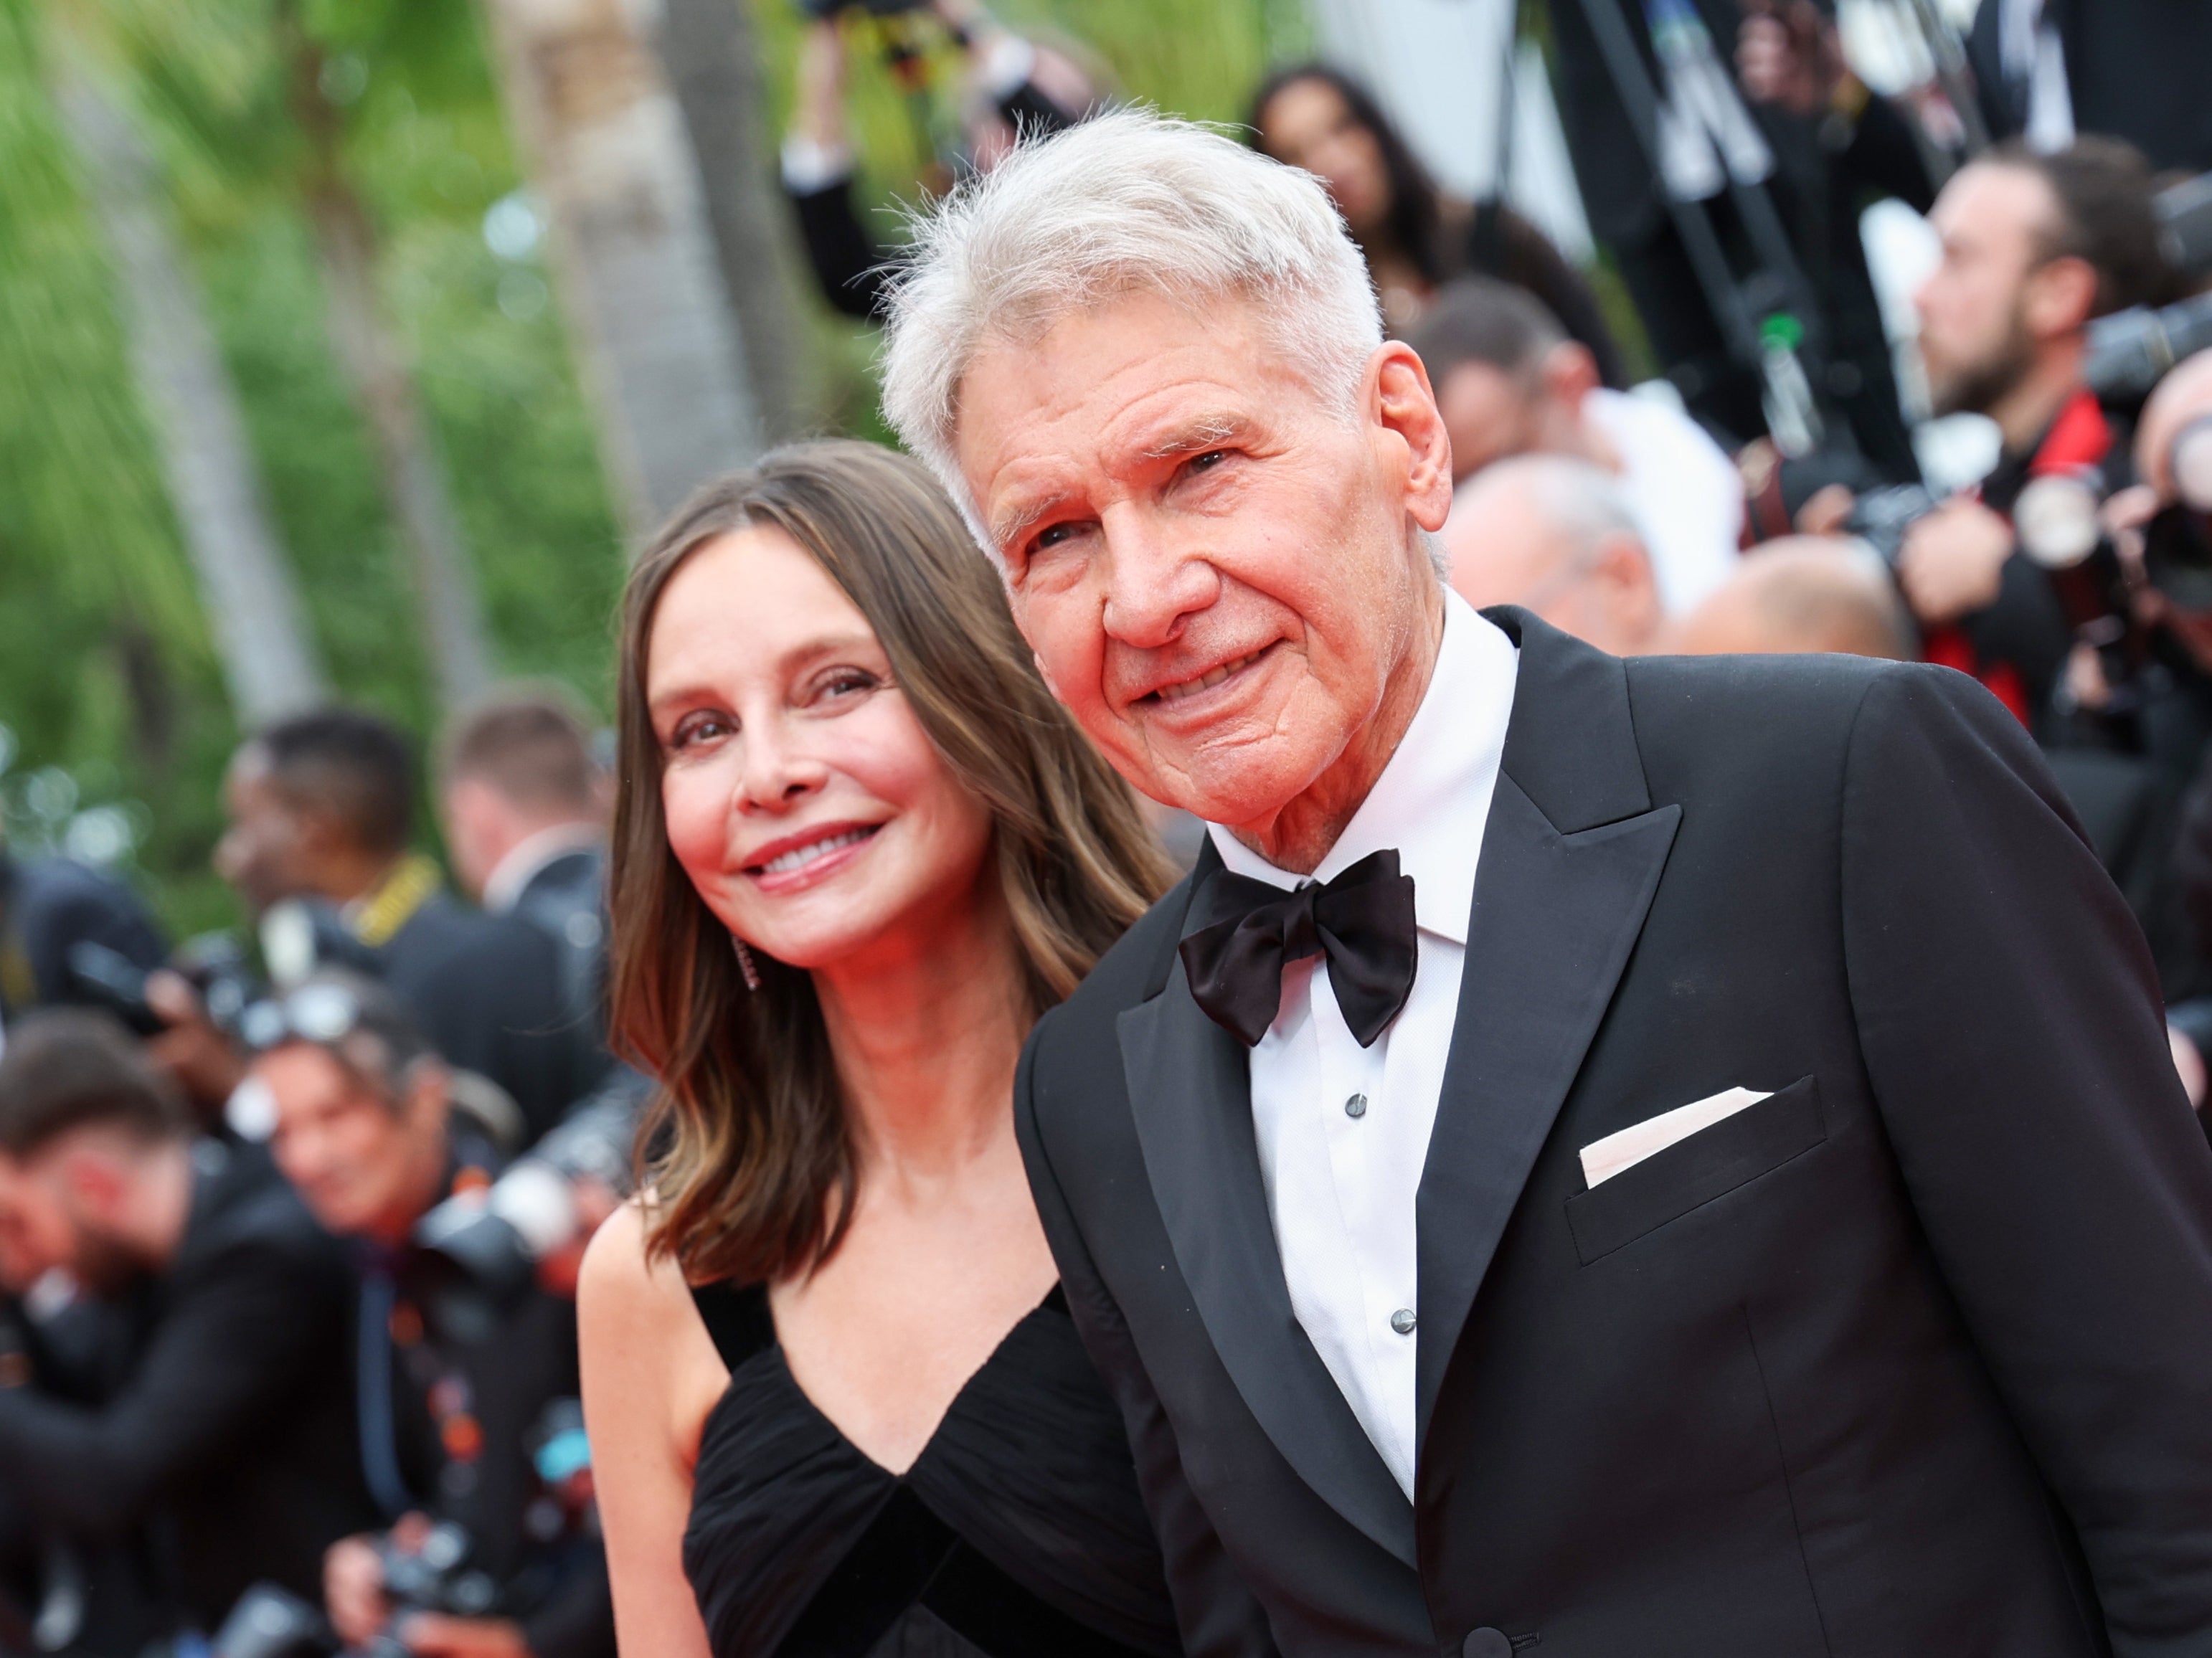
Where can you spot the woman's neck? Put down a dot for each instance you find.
(924, 1033)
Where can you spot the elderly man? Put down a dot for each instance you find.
(1555, 537)
(1674, 1155)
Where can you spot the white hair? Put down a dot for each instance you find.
(1583, 502)
(1129, 202)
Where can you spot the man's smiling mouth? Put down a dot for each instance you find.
(1206, 681)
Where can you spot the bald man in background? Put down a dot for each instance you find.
(1802, 593)
(1557, 536)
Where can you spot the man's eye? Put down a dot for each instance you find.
(1052, 536)
(1206, 462)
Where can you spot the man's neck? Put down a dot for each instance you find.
(419, 1193)
(1300, 835)
(536, 845)
(2024, 414)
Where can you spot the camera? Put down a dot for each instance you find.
(269, 1622)
(2131, 350)
(1881, 517)
(493, 1240)
(213, 964)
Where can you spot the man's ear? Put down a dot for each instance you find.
(1406, 405)
(1571, 373)
(2060, 296)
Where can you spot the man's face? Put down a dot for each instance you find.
(1491, 416)
(356, 1156)
(263, 854)
(1214, 563)
(1974, 336)
(49, 1219)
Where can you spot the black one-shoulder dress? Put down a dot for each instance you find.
(1016, 1533)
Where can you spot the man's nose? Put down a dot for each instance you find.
(1154, 581)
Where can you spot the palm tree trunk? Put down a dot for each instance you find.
(383, 383)
(246, 588)
(706, 48)
(663, 350)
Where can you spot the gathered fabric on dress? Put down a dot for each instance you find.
(1017, 1532)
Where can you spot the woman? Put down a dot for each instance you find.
(1415, 238)
(836, 1402)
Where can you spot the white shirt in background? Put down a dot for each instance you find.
(1686, 492)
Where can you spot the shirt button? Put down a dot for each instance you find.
(1355, 1106)
(1403, 1320)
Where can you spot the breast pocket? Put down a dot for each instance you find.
(1693, 1171)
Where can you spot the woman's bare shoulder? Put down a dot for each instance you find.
(625, 1295)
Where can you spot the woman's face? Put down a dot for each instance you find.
(810, 811)
(1307, 123)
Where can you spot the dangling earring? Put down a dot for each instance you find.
(746, 965)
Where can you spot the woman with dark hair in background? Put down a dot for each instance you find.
(1415, 237)
(836, 1403)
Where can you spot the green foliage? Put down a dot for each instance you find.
(106, 671)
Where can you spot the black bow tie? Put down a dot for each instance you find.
(1362, 921)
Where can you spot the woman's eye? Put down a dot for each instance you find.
(699, 728)
(845, 683)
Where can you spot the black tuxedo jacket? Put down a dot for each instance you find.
(1913, 1357)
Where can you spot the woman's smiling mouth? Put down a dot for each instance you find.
(800, 860)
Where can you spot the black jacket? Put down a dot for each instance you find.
(487, 991)
(48, 904)
(2135, 69)
(566, 899)
(1912, 1358)
(234, 1437)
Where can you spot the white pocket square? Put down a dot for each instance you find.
(1604, 1159)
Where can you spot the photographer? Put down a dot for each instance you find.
(229, 1439)
(1015, 86)
(321, 806)
(2034, 248)
(452, 1390)
(1509, 381)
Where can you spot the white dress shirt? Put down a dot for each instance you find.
(1343, 1131)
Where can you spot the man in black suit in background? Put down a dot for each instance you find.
(321, 808)
(231, 1440)
(524, 807)
(1613, 1158)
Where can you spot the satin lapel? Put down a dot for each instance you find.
(1554, 919)
(1189, 1092)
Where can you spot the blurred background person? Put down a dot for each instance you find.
(230, 1437)
(1555, 535)
(523, 805)
(1415, 237)
(454, 1387)
(1509, 382)
(1014, 85)
(1794, 124)
(2034, 248)
(321, 808)
(1802, 593)
(47, 907)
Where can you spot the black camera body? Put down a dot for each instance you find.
(269, 1622)
(214, 965)
(1881, 517)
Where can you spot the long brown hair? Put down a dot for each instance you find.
(753, 1166)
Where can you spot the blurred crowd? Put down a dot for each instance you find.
(289, 1220)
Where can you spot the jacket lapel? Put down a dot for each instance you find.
(1571, 858)
(1189, 1092)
